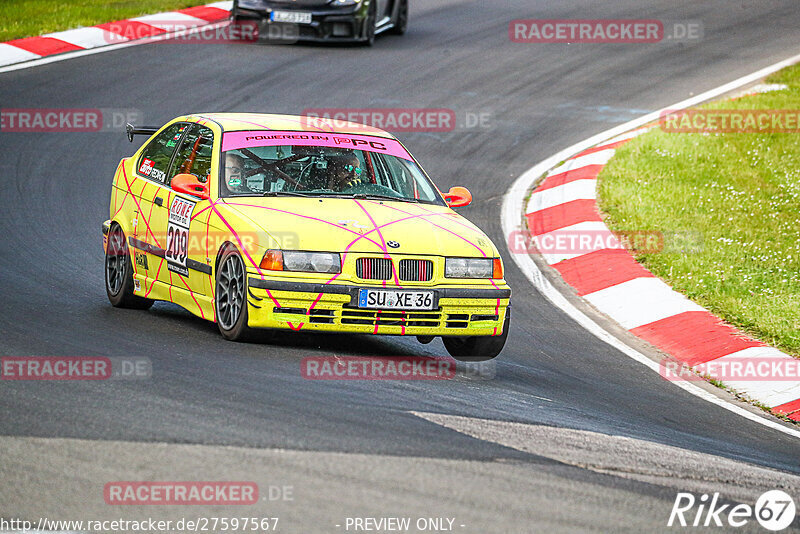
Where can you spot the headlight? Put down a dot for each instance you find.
(473, 268)
(345, 2)
(307, 262)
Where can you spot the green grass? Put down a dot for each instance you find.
(740, 194)
(26, 18)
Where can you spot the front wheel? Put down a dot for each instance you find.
(370, 25)
(477, 348)
(230, 299)
(119, 273)
(401, 24)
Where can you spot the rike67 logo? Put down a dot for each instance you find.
(774, 510)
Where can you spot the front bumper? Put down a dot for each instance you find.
(106, 230)
(326, 25)
(458, 311)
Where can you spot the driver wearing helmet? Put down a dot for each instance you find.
(344, 172)
(235, 181)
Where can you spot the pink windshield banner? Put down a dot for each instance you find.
(380, 145)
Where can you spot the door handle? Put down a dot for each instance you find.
(159, 201)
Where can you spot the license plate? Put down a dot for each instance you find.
(294, 17)
(388, 299)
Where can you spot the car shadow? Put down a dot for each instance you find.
(351, 344)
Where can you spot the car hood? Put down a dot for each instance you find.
(339, 225)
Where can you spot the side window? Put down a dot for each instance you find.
(156, 158)
(194, 154)
(382, 173)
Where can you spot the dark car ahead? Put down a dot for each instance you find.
(323, 20)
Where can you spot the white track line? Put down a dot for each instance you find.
(13, 54)
(90, 37)
(555, 196)
(640, 301)
(88, 52)
(512, 213)
(595, 231)
(600, 157)
(171, 21)
(769, 393)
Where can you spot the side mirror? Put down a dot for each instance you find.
(458, 197)
(191, 185)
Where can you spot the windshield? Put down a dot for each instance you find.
(262, 168)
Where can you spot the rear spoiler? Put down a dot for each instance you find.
(132, 130)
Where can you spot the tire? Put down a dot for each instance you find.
(119, 273)
(246, 30)
(235, 21)
(230, 297)
(401, 25)
(477, 348)
(370, 24)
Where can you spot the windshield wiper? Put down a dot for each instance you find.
(364, 196)
(286, 194)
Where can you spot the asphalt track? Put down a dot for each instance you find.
(497, 455)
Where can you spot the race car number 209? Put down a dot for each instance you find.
(180, 215)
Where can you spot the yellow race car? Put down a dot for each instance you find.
(281, 222)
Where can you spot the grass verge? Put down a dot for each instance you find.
(729, 206)
(27, 18)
